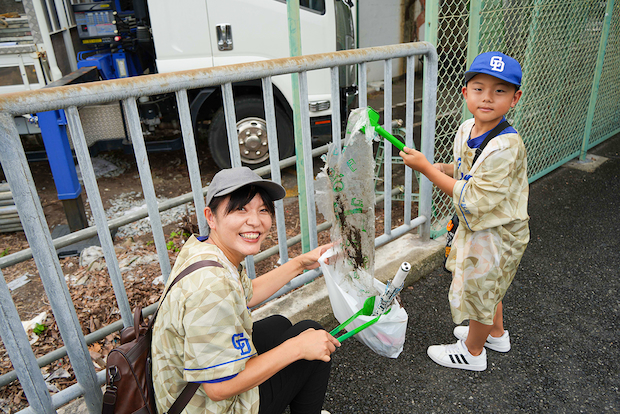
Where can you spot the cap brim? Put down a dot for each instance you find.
(469, 74)
(275, 191)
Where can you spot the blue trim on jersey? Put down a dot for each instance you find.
(223, 363)
(477, 141)
(202, 238)
(461, 206)
(215, 381)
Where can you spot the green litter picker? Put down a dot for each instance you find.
(367, 310)
(374, 122)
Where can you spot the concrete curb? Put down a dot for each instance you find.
(312, 301)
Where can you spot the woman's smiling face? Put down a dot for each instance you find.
(240, 232)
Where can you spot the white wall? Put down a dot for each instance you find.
(380, 24)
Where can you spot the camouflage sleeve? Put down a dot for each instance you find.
(216, 344)
(480, 198)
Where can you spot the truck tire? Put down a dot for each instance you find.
(252, 134)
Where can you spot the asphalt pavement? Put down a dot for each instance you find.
(561, 311)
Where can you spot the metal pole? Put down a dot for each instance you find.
(431, 35)
(274, 157)
(96, 206)
(431, 11)
(336, 122)
(429, 102)
(363, 85)
(387, 146)
(233, 146)
(231, 124)
(142, 161)
(16, 343)
(597, 79)
(529, 58)
(473, 40)
(294, 41)
(18, 173)
(189, 143)
(308, 164)
(410, 99)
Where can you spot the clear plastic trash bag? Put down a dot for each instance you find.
(345, 196)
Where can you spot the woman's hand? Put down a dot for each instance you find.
(267, 284)
(310, 260)
(316, 344)
(414, 159)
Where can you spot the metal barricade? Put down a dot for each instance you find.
(43, 248)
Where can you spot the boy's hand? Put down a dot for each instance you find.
(447, 169)
(414, 159)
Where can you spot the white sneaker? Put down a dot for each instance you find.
(501, 344)
(457, 356)
(324, 412)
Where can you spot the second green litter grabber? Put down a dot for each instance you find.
(374, 122)
(367, 310)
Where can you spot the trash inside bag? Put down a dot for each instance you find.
(345, 195)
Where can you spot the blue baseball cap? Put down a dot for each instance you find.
(496, 64)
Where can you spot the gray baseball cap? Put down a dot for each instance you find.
(228, 180)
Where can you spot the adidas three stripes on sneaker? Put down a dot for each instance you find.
(457, 356)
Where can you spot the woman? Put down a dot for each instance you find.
(204, 331)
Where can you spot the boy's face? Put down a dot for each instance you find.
(489, 98)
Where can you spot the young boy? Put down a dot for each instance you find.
(490, 197)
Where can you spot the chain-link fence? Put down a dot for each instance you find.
(570, 54)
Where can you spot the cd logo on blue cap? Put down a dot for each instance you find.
(497, 64)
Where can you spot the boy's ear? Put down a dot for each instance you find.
(516, 98)
(464, 90)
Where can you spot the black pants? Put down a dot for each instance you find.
(302, 384)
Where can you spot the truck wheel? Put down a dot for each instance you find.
(251, 134)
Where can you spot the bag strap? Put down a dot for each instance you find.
(191, 387)
(183, 399)
(494, 132)
(189, 269)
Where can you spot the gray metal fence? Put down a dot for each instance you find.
(43, 248)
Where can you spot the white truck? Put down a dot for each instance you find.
(166, 36)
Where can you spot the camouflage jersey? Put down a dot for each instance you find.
(491, 201)
(203, 333)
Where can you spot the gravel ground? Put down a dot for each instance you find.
(127, 203)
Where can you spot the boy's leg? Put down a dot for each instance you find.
(478, 333)
(498, 322)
